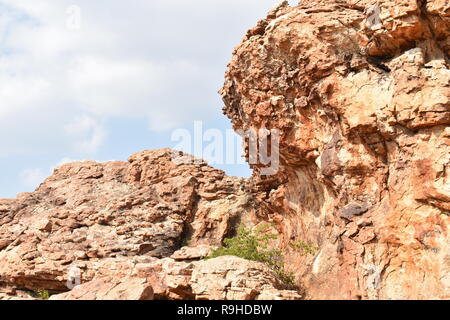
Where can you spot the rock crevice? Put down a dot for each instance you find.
(360, 93)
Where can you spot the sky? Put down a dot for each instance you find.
(101, 80)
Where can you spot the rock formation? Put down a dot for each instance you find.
(223, 278)
(360, 92)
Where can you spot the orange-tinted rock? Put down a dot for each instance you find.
(222, 278)
(87, 212)
(109, 289)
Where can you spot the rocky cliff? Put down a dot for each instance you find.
(360, 91)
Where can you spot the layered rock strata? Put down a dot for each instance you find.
(360, 92)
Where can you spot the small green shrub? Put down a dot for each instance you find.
(41, 294)
(304, 248)
(254, 246)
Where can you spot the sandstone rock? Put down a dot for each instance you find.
(271, 294)
(362, 102)
(16, 298)
(360, 93)
(353, 209)
(109, 230)
(11, 293)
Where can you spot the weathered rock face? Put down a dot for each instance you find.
(363, 106)
(360, 95)
(88, 212)
(223, 278)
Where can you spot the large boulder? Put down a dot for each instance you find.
(87, 212)
(109, 289)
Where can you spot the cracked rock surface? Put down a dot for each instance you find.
(362, 103)
(136, 230)
(88, 212)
